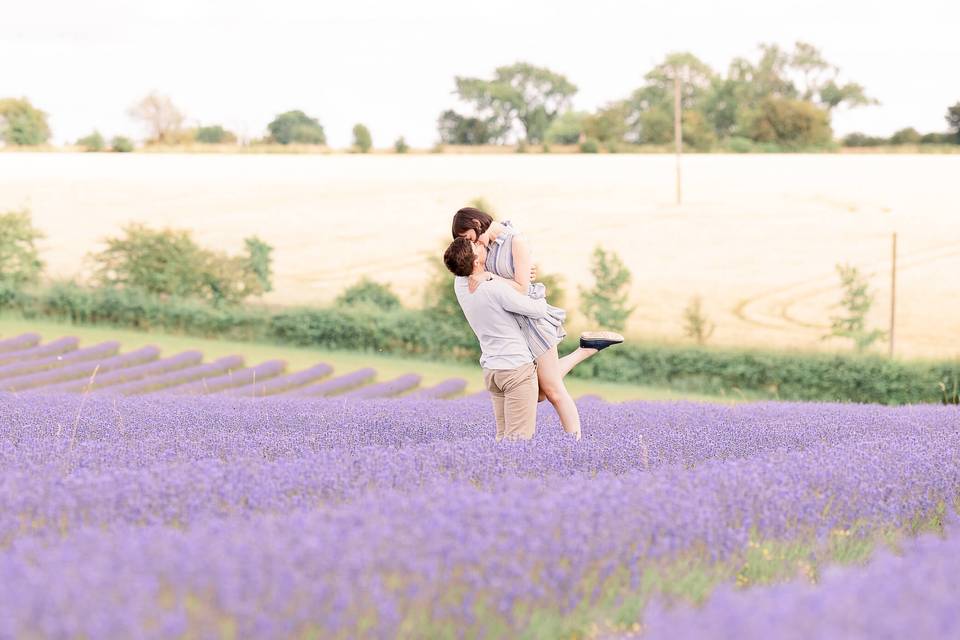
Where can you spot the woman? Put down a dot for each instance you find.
(508, 257)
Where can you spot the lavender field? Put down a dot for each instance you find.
(145, 496)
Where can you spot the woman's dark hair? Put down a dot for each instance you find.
(459, 257)
(470, 218)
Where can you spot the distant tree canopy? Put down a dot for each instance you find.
(164, 122)
(92, 142)
(296, 126)
(781, 98)
(170, 262)
(519, 94)
(21, 123)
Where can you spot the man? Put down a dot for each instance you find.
(509, 371)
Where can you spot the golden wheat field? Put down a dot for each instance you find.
(757, 236)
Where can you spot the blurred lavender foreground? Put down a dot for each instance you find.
(288, 516)
(916, 595)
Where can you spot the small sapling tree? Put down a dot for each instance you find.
(696, 325)
(855, 303)
(606, 303)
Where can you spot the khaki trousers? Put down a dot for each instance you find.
(514, 393)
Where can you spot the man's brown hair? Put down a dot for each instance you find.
(459, 257)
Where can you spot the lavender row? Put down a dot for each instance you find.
(281, 383)
(19, 343)
(444, 389)
(335, 385)
(81, 369)
(388, 388)
(102, 350)
(914, 595)
(126, 374)
(262, 371)
(56, 347)
(179, 376)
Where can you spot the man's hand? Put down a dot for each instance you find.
(533, 273)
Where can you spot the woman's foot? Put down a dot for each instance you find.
(599, 340)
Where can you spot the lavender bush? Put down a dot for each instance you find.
(179, 376)
(81, 369)
(387, 388)
(335, 385)
(34, 365)
(444, 389)
(19, 343)
(129, 374)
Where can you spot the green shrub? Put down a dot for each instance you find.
(906, 136)
(734, 372)
(120, 144)
(857, 139)
(296, 126)
(938, 138)
(214, 134)
(589, 146)
(367, 293)
(93, 142)
(21, 123)
(400, 145)
(169, 262)
(856, 303)
(362, 141)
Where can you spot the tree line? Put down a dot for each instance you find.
(777, 100)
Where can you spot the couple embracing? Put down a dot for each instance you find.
(517, 329)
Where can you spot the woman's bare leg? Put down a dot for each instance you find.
(568, 362)
(550, 376)
(572, 359)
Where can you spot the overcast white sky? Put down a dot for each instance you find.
(391, 64)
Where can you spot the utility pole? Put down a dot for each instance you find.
(893, 288)
(677, 134)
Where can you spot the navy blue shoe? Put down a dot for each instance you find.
(599, 340)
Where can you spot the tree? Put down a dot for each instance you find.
(92, 142)
(787, 122)
(457, 129)
(21, 123)
(214, 134)
(162, 119)
(567, 128)
(367, 293)
(521, 92)
(953, 120)
(856, 301)
(361, 138)
(606, 303)
(400, 145)
(296, 126)
(20, 262)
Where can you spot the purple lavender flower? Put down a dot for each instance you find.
(154, 383)
(102, 350)
(444, 389)
(56, 347)
(19, 343)
(128, 374)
